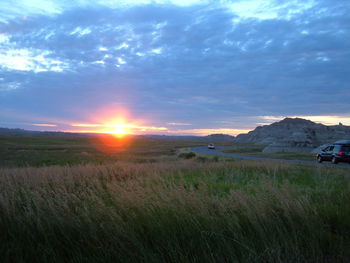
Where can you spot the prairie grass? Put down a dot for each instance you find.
(27, 150)
(179, 211)
(256, 150)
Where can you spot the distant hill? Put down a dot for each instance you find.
(294, 135)
(209, 138)
(220, 137)
(7, 131)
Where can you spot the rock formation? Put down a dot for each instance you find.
(294, 135)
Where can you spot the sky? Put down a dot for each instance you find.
(172, 66)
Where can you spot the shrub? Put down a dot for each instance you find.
(188, 155)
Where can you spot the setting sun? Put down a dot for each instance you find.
(119, 131)
(117, 122)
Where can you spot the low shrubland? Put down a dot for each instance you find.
(178, 211)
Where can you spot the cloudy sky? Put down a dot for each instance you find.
(172, 66)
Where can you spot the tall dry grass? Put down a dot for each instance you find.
(185, 211)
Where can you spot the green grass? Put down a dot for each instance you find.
(23, 151)
(147, 201)
(256, 150)
(250, 150)
(289, 156)
(178, 211)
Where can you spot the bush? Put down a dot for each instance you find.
(188, 155)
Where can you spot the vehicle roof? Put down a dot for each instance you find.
(338, 144)
(343, 142)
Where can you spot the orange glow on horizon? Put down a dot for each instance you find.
(108, 120)
(205, 132)
(114, 125)
(119, 123)
(44, 125)
(89, 125)
(112, 144)
(119, 131)
(118, 126)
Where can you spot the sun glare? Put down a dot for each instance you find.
(119, 131)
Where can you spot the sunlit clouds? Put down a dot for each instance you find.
(121, 126)
(44, 125)
(179, 124)
(30, 60)
(9, 86)
(116, 121)
(269, 9)
(124, 129)
(262, 9)
(204, 132)
(117, 127)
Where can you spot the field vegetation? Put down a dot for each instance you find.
(26, 150)
(195, 209)
(256, 150)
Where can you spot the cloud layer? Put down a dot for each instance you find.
(220, 64)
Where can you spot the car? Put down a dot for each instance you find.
(211, 146)
(336, 152)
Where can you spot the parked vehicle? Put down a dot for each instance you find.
(337, 152)
(211, 146)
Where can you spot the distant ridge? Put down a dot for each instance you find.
(209, 138)
(294, 135)
(17, 131)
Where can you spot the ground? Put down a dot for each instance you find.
(256, 150)
(152, 202)
(21, 151)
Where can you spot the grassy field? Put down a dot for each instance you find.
(183, 211)
(174, 210)
(22, 151)
(256, 150)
